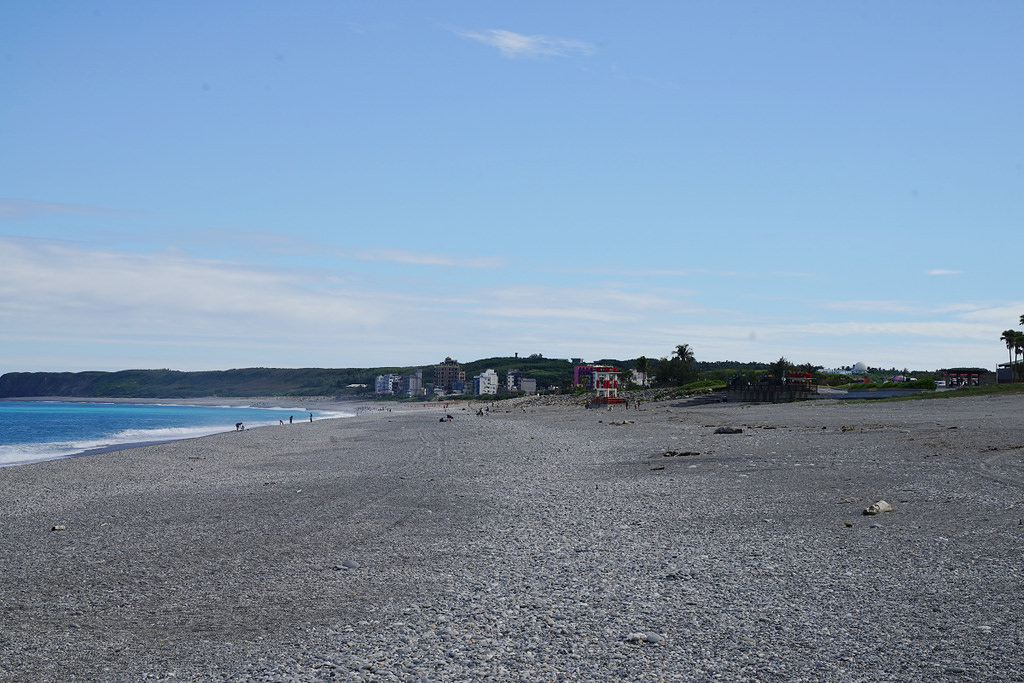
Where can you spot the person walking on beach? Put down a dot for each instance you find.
(291, 419)
(311, 417)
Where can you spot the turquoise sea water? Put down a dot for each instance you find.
(31, 431)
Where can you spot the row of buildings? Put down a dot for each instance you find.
(449, 378)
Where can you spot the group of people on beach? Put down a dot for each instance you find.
(240, 427)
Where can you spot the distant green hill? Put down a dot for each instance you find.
(247, 382)
(250, 382)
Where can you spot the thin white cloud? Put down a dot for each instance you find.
(20, 209)
(103, 308)
(974, 313)
(55, 286)
(1003, 317)
(941, 271)
(549, 312)
(417, 258)
(875, 306)
(948, 330)
(271, 244)
(513, 45)
(955, 308)
(680, 272)
(605, 305)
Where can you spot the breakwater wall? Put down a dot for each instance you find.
(771, 393)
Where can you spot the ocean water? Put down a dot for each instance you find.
(31, 431)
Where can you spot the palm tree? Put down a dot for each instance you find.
(685, 354)
(1009, 336)
(1018, 350)
(679, 368)
(642, 366)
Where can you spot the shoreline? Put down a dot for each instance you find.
(531, 543)
(328, 411)
(316, 402)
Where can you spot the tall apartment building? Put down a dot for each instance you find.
(486, 382)
(412, 385)
(448, 376)
(385, 384)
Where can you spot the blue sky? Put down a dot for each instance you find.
(198, 185)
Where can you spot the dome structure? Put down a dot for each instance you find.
(859, 367)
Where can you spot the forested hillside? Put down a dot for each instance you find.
(249, 382)
(253, 382)
(246, 382)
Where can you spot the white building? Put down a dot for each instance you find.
(385, 384)
(486, 382)
(515, 381)
(640, 378)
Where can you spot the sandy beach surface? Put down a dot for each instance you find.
(536, 543)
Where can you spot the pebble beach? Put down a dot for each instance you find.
(539, 542)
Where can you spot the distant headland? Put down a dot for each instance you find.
(549, 375)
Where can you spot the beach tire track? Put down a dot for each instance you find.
(1005, 466)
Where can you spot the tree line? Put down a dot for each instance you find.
(1014, 340)
(678, 369)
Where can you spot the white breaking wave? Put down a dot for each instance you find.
(22, 454)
